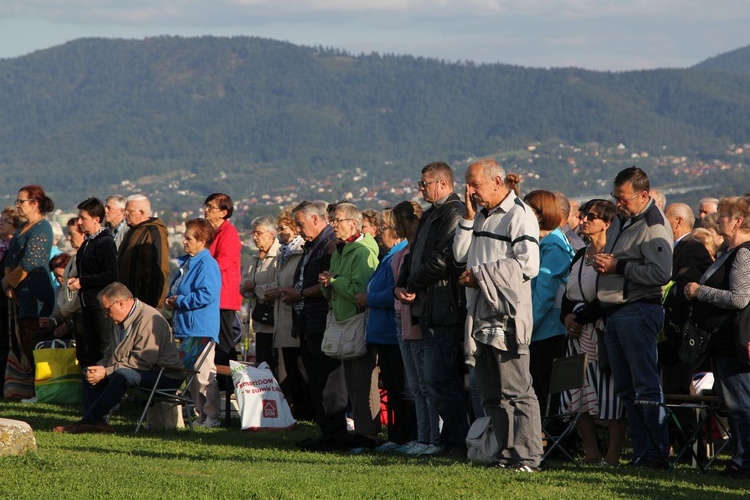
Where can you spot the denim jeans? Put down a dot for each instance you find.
(630, 338)
(444, 380)
(428, 420)
(109, 392)
(733, 388)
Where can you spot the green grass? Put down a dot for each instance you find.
(228, 463)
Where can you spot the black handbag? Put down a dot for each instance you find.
(697, 342)
(263, 313)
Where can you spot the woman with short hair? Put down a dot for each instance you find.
(555, 255)
(584, 320)
(721, 301)
(260, 277)
(194, 299)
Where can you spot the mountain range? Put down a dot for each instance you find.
(244, 115)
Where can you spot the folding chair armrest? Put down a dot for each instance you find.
(176, 368)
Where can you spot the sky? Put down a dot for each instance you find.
(607, 35)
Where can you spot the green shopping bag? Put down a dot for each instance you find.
(58, 376)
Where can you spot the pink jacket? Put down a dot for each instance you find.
(408, 331)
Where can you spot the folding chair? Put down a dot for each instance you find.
(705, 408)
(193, 352)
(568, 374)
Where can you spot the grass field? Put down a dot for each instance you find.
(228, 463)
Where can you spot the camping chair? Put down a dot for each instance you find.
(568, 374)
(193, 352)
(705, 408)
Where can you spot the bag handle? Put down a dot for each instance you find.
(54, 342)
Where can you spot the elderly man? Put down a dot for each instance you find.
(326, 375)
(143, 255)
(142, 341)
(565, 207)
(635, 264)
(690, 260)
(500, 246)
(114, 216)
(707, 206)
(429, 282)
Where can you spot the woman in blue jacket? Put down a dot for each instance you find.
(194, 301)
(547, 289)
(381, 336)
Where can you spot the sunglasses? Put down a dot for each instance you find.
(591, 216)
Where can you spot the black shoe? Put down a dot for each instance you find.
(521, 467)
(650, 463)
(455, 452)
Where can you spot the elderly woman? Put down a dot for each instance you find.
(293, 379)
(711, 223)
(26, 282)
(352, 264)
(225, 249)
(381, 335)
(583, 319)
(260, 277)
(555, 255)
(194, 298)
(720, 302)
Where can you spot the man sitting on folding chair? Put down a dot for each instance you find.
(142, 341)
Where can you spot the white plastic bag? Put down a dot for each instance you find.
(262, 404)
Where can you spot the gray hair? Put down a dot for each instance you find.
(705, 201)
(114, 292)
(142, 201)
(266, 222)
(490, 169)
(684, 211)
(310, 208)
(57, 231)
(350, 211)
(118, 199)
(564, 203)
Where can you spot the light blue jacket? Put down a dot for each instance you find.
(548, 287)
(196, 312)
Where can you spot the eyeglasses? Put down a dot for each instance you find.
(21, 202)
(258, 233)
(338, 221)
(106, 309)
(591, 216)
(624, 202)
(212, 207)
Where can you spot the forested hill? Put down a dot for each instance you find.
(83, 116)
(735, 61)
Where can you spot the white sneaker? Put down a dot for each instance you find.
(29, 400)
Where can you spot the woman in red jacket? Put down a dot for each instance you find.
(225, 248)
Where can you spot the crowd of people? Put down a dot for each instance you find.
(482, 293)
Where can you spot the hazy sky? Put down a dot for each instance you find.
(593, 34)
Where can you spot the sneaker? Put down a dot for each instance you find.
(520, 467)
(406, 447)
(29, 400)
(209, 423)
(417, 450)
(432, 449)
(387, 447)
